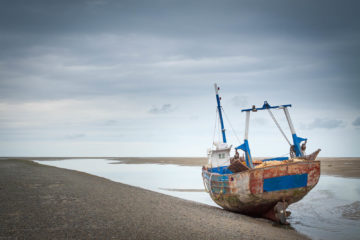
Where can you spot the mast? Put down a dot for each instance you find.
(220, 113)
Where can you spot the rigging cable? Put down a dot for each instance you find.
(215, 127)
(277, 124)
(227, 119)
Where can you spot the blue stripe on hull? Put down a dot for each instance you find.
(220, 170)
(285, 182)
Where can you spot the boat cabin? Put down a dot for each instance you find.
(219, 158)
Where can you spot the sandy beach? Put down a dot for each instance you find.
(42, 202)
(343, 167)
(39, 201)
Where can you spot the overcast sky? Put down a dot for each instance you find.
(135, 78)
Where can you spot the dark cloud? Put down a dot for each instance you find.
(192, 17)
(205, 21)
(166, 108)
(356, 122)
(87, 48)
(326, 123)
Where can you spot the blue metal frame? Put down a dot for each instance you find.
(245, 147)
(221, 118)
(296, 140)
(265, 106)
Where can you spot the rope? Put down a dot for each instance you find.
(217, 127)
(285, 154)
(232, 129)
(277, 124)
(214, 127)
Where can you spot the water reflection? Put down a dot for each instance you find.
(330, 211)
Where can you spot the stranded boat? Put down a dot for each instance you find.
(262, 188)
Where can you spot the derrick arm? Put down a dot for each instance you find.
(296, 140)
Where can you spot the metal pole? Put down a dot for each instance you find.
(246, 142)
(292, 129)
(247, 125)
(220, 113)
(297, 140)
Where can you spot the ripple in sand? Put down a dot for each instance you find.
(351, 211)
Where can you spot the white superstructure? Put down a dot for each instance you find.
(220, 156)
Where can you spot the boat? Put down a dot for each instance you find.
(263, 187)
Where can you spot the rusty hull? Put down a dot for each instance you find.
(244, 192)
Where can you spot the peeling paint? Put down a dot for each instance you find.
(243, 192)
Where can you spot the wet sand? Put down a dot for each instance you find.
(43, 202)
(341, 167)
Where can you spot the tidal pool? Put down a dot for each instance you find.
(178, 181)
(330, 211)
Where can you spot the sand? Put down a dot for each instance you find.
(43, 202)
(342, 167)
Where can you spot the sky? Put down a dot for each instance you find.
(136, 78)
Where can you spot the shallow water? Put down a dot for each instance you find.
(330, 211)
(178, 181)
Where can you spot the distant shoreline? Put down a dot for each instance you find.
(341, 166)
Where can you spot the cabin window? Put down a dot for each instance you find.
(222, 155)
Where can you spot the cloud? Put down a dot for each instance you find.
(356, 122)
(75, 136)
(94, 66)
(110, 122)
(65, 49)
(326, 123)
(240, 101)
(166, 108)
(261, 121)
